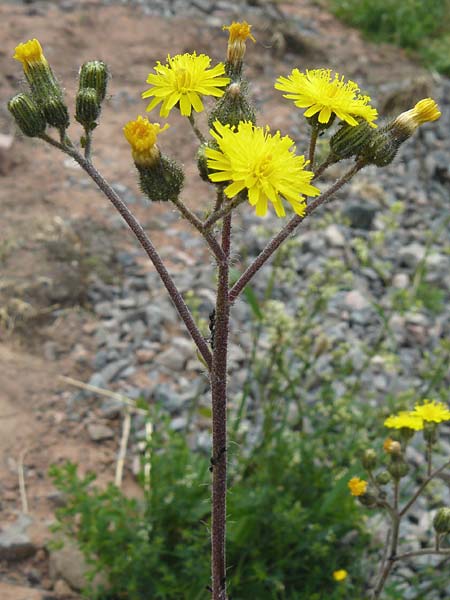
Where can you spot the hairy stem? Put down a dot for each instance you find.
(312, 145)
(146, 244)
(88, 144)
(276, 242)
(223, 212)
(201, 138)
(219, 420)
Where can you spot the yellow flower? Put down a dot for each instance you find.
(30, 53)
(391, 446)
(404, 420)
(424, 111)
(142, 135)
(357, 486)
(340, 575)
(432, 411)
(265, 165)
(239, 32)
(183, 80)
(320, 93)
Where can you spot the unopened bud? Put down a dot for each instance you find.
(233, 107)
(441, 521)
(202, 162)
(87, 108)
(239, 33)
(161, 181)
(383, 478)
(94, 74)
(392, 446)
(368, 499)
(55, 112)
(349, 140)
(27, 115)
(369, 459)
(398, 468)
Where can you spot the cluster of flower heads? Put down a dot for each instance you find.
(429, 411)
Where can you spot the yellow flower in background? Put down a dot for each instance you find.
(182, 81)
(324, 95)
(142, 136)
(424, 111)
(250, 158)
(357, 486)
(432, 411)
(30, 53)
(340, 575)
(405, 420)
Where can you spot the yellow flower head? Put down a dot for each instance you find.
(324, 95)
(425, 110)
(30, 53)
(182, 81)
(391, 446)
(142, 136)
(252, 159)
(340, 575)
(239, 32)
(432, 411)
(357, 486)
(404, 420)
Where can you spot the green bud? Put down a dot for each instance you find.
(94, 74)
(315, 123)
(368, 499)
(55, 112)
(201, 162)
(430, 432)
(27, 115)
(349, 140)
(233, 107)
(441, 521)
(161, 181)
(87, 107)
(42, 81)
(398, 468)
(383, 478)
(369, 459)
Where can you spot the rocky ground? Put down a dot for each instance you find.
(79, 300)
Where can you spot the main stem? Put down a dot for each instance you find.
(219, 420)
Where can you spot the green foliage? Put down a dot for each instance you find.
(291, 519)
(415, 24)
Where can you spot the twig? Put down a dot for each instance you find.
(196, 130)
(422, 487)
(123, 448)
(22, 488)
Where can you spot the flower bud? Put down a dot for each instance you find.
(368, 499)
(239, 32)
(441, 521)
(87, 108)
(430, 432)
(94, 74)
(391, 446)
(233, 107)
(369, 459)
(202, 162)
(27, 115)
(383, 478)
(349, 140)
(55, 112)
(161, 181)
(398, 468)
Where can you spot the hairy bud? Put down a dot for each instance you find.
(87, 108)
(27, 115)
(94, 74)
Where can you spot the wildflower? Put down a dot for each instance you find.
(357, 486)
(142, 135)
(424, 111)
(326, 96)
(391, 446)
(265, 165)
(30, 54)
(405, 420)
(432, 411)
(340, 575)
(239, 32)
(182, 81)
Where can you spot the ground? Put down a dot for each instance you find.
(45, 322)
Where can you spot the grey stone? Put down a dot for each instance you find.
(411, 255)
(111, 408)
(360, 215)
(68, 563)
(112, 370)
(15, 544)
(99, 433)
(334, 236)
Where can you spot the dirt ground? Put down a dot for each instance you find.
(44, 332)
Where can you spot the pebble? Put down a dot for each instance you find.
(99, 433)
(15, 543)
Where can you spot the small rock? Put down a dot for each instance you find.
(68, 563)
(62, 589)
(16, 592)
(400, 281)
(6, 153)
(355, 300)
(411, 255)
(334, 236)
(15, 544)
(360, 215)
(111, 408)
(98, 432)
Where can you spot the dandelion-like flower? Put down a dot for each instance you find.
(142, 136)
(405, 420)
(357, 486)
(182, 81)
(432, 411)
(265, 165)
(29, 54)
(324, 95)
(340, 575)
(424, 111)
